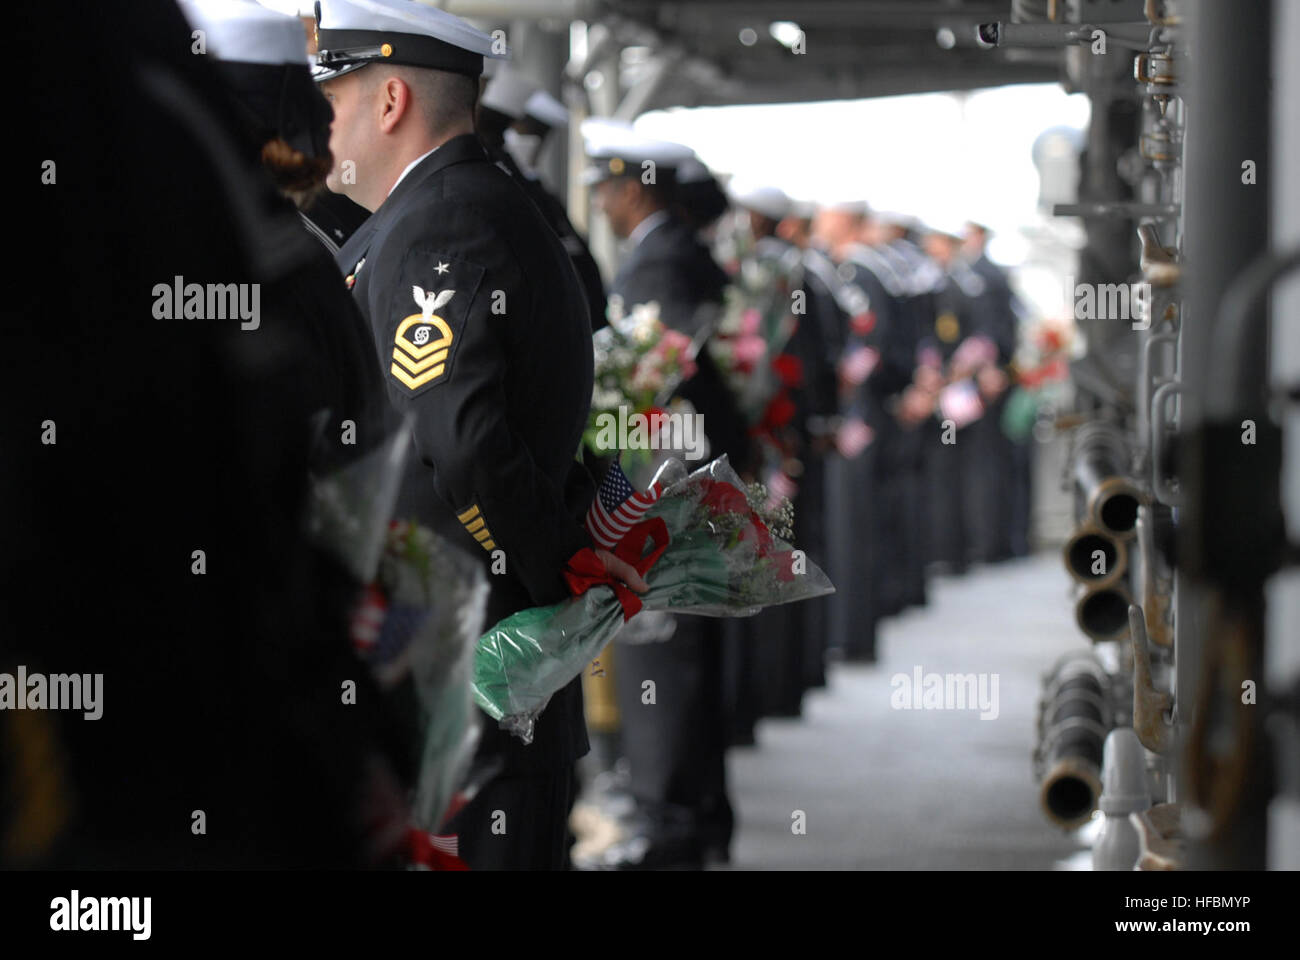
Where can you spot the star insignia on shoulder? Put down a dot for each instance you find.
(442, 267)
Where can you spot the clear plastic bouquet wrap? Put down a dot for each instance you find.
(704, 544)
(419, 615)
(420, 620)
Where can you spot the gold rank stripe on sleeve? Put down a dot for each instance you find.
(422, 342)
(476, 526)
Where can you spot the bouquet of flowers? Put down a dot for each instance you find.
(756, 325)
(1041, 370)
(639, 362)
(704, 543)
(418, 617)
(419, 622)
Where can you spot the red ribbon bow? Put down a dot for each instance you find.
(585, 570)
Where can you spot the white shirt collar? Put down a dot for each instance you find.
(408, 169)
(640, 231)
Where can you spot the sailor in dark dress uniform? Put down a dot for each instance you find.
(675, 746)
(481, 331)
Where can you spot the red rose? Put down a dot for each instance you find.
(779, 412)
(722, 497)
(790, 369)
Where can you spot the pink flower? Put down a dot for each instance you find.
(749, 322)
(673, 341)
(673, 348)
(748, 351)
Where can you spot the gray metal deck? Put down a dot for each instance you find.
(891, 789)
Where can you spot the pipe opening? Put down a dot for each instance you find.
(1104, 614)
(1070, 798)
(1081, 555)
(1119, 513)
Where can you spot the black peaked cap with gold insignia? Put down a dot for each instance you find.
(351, 34)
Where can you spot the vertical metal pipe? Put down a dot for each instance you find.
(1282, 662)
(1227, 95)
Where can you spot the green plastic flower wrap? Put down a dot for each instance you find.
(705, 547)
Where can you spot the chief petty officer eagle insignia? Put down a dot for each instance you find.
(422, 341)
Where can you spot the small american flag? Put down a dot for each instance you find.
(447, 843)
(431, 851)
(617, 507)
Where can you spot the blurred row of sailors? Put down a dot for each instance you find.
(894, 454)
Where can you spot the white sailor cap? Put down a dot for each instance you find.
(242, 32)
(545, 108)
(508, 92)
(946, 225)
(854, 208)
(802, 209)
(771, 202)
(262, 58)
(616, 150)
(353, 33)
(693, 170)
(896, 218)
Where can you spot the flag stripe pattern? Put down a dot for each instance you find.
(617, 508)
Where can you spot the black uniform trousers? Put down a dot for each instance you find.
(779, 658)
(518, 819)
(814, 616)
(1022, 495)
(890, 526)
(511, 824)
(986, 453)
(850, 529)
(900, 541)
(676, 744)
(740, 669)
(945, 482)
